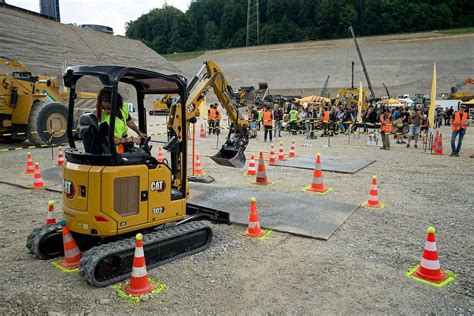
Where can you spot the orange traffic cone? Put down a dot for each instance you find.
(439, 147)
(261, 173)
(435, 141)
(197, 165)
(317, 185)
(373, 200)
(252, 171)
(60, 157)
(430, 269)
(139, 283)
(30, 168)
(38, 181)
(160, 155)
(72, 253)
(254, 229)
(202, 134)
(281, 154)
(273, 158)
(50, 217)
(292, 149)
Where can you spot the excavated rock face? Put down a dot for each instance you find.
(44, 45)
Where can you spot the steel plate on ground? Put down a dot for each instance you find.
(51, 177)
(333, 164)
(300, 214)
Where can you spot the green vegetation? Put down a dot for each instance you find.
(465, 30)
(220, 24)
(183, 56)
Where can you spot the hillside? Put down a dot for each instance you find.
(44, 45)
(403, 62)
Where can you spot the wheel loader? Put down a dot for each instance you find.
(108, 197)
(30, 106)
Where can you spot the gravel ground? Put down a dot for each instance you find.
(360, 269)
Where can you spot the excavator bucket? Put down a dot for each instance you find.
(229, 156)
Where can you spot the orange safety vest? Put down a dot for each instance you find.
(326, 116)
(218, 115)
(212, 114)
(459, 122)
(386, 124)
(267, 118)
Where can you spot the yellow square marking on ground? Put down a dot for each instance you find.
(136, 299)
(450, 277)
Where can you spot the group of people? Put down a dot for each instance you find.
(214, 119)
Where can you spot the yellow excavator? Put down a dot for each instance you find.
(30, 106)
(161, 106)
(108, 197)
(349, 97)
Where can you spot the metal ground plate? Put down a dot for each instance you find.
(333, 164)
(51, 177)
(302, 214)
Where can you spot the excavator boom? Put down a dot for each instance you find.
(210, 76)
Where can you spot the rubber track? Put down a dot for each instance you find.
(93, 256)
(33, 240)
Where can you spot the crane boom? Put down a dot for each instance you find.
(324, 91)
(351, 29)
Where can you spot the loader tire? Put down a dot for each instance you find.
(47, 123)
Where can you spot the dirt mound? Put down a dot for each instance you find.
(44, 45)
(403, 62)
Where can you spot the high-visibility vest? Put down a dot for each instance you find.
(218, 115)
(260, 115)
(459, 122)
(267, 118)
(293, 115)
(120, 123)
(326, 116)
(386, 124)
(211, 114)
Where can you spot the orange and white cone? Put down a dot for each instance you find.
(30, 168)
(435, 141)
(317, 185)
(60, 157)
(202, 133)
(252, 171)
(160, 157)
(439, 147)
(72, 253)
(50, 219)
(281, 154)
(373, 201)
(254, 229)
(292, 149)
(430, 269)
(273, 157)
(38, 181)
(139, 283)
(261, 173)
(197, 165)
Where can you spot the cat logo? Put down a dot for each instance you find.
(158, 186)
(69, 189)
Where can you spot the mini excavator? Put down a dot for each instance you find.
(108, 196)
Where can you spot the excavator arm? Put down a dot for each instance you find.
(210, 76)
(13, 63)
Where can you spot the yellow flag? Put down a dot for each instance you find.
(359, 104)
(431, 112)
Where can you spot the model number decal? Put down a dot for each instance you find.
(158, 210)
(158, 186)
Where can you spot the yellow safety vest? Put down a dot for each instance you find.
(120, 123)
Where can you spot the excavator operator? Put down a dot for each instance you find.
(122, 122)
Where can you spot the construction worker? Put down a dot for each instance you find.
(386, 128)
(459, 125)
(252, 117)
(259, 117)
(267, 123)
(278, 116)
(293, 120)
(325, 124)
(218, 120)
(211, 119)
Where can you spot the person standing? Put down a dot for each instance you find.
(459, 126)
(259, 117)
(293, 119)
(211, 119)
(278, 117)
(415, 127)
(217, 126)
(386, 128)
(267, 123)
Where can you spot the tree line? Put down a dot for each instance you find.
(218, 24)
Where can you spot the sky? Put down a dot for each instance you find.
(113, 13)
